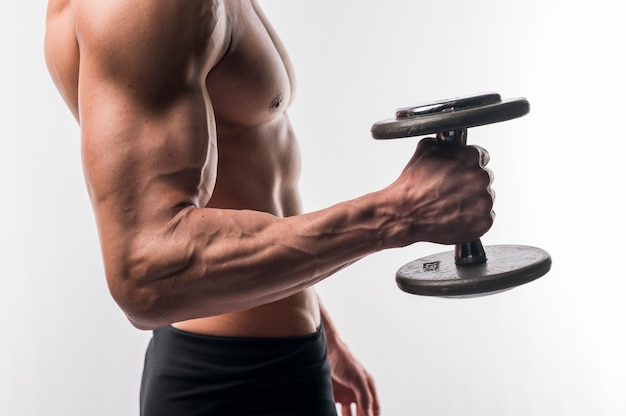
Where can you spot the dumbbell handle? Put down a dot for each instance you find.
(472, 252)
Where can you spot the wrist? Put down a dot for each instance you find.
(395, 228)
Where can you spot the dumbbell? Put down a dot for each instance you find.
(471, 269)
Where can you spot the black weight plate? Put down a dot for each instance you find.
(450, 119)
(458, 103)
(507, 266)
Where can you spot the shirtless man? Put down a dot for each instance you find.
(213, 253)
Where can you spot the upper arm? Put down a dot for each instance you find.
(146, 119)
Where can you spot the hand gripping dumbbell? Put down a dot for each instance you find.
(470, 269)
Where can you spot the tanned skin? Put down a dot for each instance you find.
(192, 168)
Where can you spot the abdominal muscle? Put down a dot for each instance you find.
(258, 169)
(296, 315)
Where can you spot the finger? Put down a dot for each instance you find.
(483, 155)
(488, 178)
(374, 393)
(364, 398)
(491, 191)
(470, 156)
(371, 407)
(346, 409)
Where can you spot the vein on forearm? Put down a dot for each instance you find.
(255, 257)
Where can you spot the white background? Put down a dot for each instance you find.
(552, 347)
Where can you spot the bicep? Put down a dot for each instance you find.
(139, 159)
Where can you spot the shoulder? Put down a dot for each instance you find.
(142, 14)
(170, 35)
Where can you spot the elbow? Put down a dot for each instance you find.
(142, 304)
(141, 285)
(144, 294)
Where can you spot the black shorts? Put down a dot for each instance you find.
(189, 374)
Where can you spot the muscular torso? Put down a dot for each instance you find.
(249, 88)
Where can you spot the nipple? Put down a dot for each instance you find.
(276, 102)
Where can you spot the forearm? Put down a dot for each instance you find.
(214, 261)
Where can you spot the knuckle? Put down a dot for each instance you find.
(485, 178)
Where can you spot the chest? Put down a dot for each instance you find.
(252, 83)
